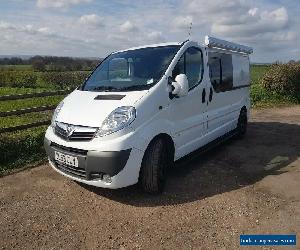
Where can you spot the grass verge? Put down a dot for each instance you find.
(21, 148)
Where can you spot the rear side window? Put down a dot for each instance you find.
(227, 72)
(191, 64)
(215, 70)
(220, 71)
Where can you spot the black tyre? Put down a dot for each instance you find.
(242, 124)
(154, 167)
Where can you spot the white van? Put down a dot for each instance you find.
(146, 107)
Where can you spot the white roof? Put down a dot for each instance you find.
(210, 42)
(151, 46)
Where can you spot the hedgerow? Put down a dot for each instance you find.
(20, 148)
(27, 79)
(63, 79)
(32, 79)
(283, 79)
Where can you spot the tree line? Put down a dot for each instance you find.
(53, 63)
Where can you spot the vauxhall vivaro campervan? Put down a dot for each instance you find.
(145, 107)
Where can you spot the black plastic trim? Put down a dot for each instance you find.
(68, 149)
(110, 162)
(240, 87)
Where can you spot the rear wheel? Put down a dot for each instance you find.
(242, 123)
(154, 166)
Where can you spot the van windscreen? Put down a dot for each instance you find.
(131, 70)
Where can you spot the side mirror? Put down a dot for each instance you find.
(181, 86)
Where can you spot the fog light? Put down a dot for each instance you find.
(106, 178)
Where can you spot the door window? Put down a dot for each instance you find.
(179, 68)
(220, 71)
(191, 64)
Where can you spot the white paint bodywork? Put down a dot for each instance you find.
(190, 123)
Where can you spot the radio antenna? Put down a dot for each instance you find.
(190, 30)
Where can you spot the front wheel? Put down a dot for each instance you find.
(154, 166)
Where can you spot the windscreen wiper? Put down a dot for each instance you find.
(135, 87)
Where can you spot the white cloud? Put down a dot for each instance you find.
(59, 3)
(27, 39)
(28, 28)
(253, 11)
(183, 22)
(280, 15)
(128, 26)
(6, 25)
(91, 20)
(99, 27)
(263, 22)
(45, 30)
(156, 36)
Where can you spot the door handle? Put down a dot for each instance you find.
(203, 95)
(210, 94)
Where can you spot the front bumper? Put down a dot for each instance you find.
(122, 166)
(91, 163)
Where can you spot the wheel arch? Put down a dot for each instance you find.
(169, 142)
(170, 155)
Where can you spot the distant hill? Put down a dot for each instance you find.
(51, 63)
(26, 57)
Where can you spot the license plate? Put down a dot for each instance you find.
(66, 159)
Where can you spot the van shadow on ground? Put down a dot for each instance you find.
(265, 150)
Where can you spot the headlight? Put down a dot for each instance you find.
(120, 118)
(56, 112)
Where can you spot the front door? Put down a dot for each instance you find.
(188, 113)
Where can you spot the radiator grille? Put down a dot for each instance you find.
(71, 132)
(77, 172)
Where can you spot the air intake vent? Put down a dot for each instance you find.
(109, 97)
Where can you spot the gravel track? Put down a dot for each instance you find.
(247, 186)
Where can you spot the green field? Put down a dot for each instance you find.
(16, 67)
(23, 147)
(257, 72)
(14, 91)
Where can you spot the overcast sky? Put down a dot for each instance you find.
(95, 28)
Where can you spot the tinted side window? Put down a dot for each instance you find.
(227, 72)
(215, 70)
(194, 66)
(220, 71)
(191, 64)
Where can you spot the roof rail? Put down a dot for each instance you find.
(213, 42)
